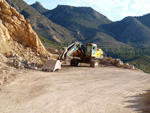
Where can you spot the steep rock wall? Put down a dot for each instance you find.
(14, 25)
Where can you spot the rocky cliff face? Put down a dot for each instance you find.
(4, 37)
(13, 26)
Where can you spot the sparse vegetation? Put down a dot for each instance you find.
(49, 43)
(140, 58)
(142, 62)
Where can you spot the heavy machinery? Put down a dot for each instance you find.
(81, 54)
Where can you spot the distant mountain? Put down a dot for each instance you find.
(129, 31)
(82, 21)
(84, 16)
(144, 20)
(41, 24)
(39, 7)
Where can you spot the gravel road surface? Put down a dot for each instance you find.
(76, 90)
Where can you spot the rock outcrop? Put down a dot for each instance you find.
(13, 26)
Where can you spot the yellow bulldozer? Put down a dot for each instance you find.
(81, 54)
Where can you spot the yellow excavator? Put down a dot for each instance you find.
(81, 54)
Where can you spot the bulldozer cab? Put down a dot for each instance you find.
(90, 50)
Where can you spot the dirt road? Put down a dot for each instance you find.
(76, 90)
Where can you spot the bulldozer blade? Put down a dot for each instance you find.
(52, 65)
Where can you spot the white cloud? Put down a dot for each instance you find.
(121, 8)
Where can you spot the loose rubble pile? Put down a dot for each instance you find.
(117, 63)
(25, 57)
(20, 59)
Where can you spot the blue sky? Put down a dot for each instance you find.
(113, 9)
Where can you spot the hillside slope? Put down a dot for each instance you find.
(130, 31)
(142, 62)
(83, 21)
(105, 41)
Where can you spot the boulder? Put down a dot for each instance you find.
(6, 11)
(53, 51)
(132, 67)
(126, 65)
(105, 62)
(112, 61)
(119, 64)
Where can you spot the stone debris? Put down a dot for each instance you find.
(24, 57)
(20, 59)
(117, 62)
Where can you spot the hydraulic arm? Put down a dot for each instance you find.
(70, 50)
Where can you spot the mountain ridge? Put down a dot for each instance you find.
(82, 13)
(39, 7)
(129, 31)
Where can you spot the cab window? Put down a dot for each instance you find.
(88, 51)
(93, 50)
